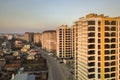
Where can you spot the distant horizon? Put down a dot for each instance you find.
(19, 16)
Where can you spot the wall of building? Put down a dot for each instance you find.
(49, 40)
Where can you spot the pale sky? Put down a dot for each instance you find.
(40, 15)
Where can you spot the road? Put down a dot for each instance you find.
(55, 71)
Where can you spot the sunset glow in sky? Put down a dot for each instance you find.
(40, 15)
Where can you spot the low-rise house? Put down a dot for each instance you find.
(2, 63)
(31, 57)
(11, 67)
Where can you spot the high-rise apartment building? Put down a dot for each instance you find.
(29, 36)
(64, 42)
(37, 38)
(97, 48)
(49, 40)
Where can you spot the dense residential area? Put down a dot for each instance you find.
(32, 56)
(19, 60)
(88, 50)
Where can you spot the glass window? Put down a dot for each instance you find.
(107, 40)
(107, 75)
(98, 28)
(92, 34)
(113, 28)
(91, 28)
(113, 63)
(91, 64)
(106, 57)
(91, 58)
(113, 69)
(107, 46)
(113, 75)
(107, 64)
(107, 22)
(91, 22)
(92, 40)
(113, 46)
(107, 28)
(91, 52)
(107, 52)
(99, 35)
(91, 70)
(113, 34)
(91, 46)
(99, 47)
(113, 40)
(113, 23)
(107, 69)
(112, 57)
(91, 76)
(107, 34)
(99, 23)
(99, 41)
(99, 70)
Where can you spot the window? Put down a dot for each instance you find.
(99, 41)
(91, 46)
(99, 70)
(92, 34)
(113, 28)
(99, 52)
(107, 22)
(113, 75)
(91, 52)
(107, 64)
(91, 22)
(99, 47)
(113, 79)
(113, 63)
(99, 76)
(99, 64)
(107, 40)
(91, 28)
(98, 28)
(99, 35)
(91, 64)
(107, 46)
(107, 34)
(113, 23)
(106, 57)
(113, 69)
(91, 58)
(91, 76)
(107, 69)
(112, 51)
(107, 75)
(99, 58)
(113, 46)
(107, 28)
(113, 34)
(92, 40)
(107, 52)
(91, 70)
(112, 57)
(113, 40)
(99, 23)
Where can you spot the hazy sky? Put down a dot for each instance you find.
(39, 15)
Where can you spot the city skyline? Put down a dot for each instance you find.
(39, 15)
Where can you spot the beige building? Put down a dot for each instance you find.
(29, 36)
(49, 40)
(94, 43)
(64, 43)
(37, 37)
(97, 53)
